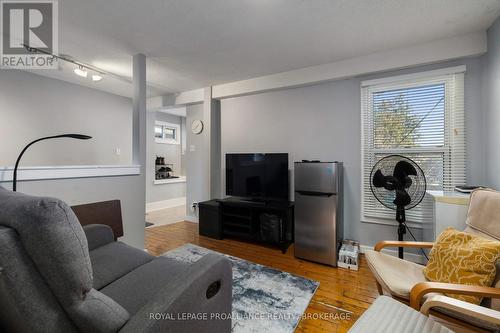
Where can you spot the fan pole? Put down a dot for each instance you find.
(401, 218)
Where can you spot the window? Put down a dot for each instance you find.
(420, 116)
(167, 133)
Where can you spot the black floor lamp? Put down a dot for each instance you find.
(73, 136)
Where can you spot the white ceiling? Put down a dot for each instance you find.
(175, 111)
(197, 43)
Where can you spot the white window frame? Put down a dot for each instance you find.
(177, 131)
(453, 78)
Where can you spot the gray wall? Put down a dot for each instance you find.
(197, 182)
(172, 153)
(32, 106)
(491, 91)
(324, 122)
(161, 192)
(86, 190)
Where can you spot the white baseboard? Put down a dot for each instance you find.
(417, 258)
(191, 218)
(157, 205)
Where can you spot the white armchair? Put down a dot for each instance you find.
(405, 280)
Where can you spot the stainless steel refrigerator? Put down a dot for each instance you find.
(318, 211)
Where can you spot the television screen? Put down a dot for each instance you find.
(257, 176)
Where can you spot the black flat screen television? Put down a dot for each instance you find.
(257, 176)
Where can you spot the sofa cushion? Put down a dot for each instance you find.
(112, 261)
(396, 275)
(54, 240)
(389, 315)
(135, 289)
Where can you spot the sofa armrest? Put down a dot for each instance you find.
(464, 308)
(98, 235)
(199, 299)
(422, 245)
(420, 289)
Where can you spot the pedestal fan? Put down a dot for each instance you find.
(398, 183)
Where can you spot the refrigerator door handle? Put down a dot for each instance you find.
(315, 194)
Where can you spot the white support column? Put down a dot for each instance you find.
(139, 123)
(215, 151)
(211, 119)
(139, 110)
(207, 120)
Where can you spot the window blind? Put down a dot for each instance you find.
(421, 118)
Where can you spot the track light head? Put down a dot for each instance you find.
(80, 71)
(96, 77)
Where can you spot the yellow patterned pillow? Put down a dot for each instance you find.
(459, 257)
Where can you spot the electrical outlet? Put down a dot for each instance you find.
(118, 151)
(194, 206)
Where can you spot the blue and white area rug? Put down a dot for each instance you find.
(264, 299)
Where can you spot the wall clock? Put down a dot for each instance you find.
(197, 126)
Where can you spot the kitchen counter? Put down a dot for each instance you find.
(450, 210)
(454, 197)
(181, 179)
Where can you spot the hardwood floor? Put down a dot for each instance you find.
(339, 301)
(166, 216)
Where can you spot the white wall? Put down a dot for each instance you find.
(324, 122)
(491, 94)
(32, 106)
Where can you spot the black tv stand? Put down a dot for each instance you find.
(253, 202)
(269, 222)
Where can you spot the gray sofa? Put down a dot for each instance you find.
(56, 277)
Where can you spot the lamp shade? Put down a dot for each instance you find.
(74, 136)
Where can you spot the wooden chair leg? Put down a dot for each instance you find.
(379, 288)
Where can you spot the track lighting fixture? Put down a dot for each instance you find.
(82, 69)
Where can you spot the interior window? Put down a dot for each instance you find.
(167, 133)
